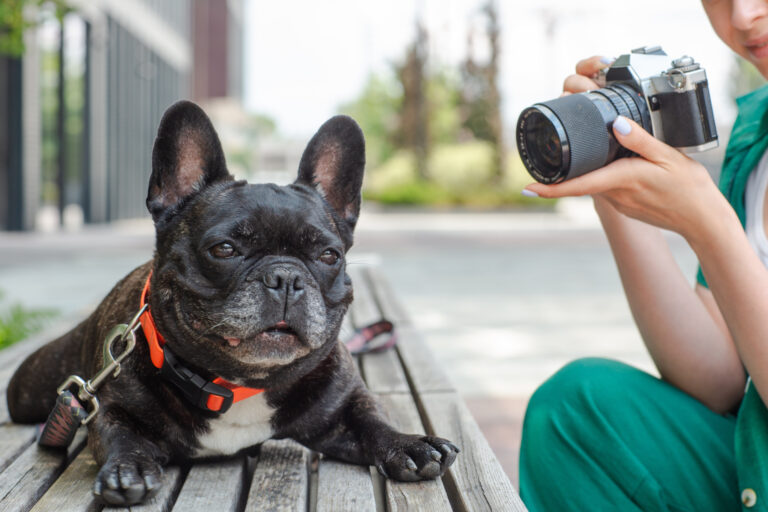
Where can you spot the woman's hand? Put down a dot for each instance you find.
(584, 79)
(662, 187)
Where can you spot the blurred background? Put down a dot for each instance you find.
(505, 288)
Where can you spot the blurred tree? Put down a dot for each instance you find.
(377, 111)
(443, 100)
(413, 130)
(744, 77)
(13, 23)
(481, 99)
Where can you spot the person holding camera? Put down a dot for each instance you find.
(600, 435)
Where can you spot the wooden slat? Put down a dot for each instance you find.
(425, 495)
(281, 478)
(384, 373)
(425, 373)
(422, 368)
(478, 480)
(212, 486)
(344, 486)
(363, 308)
(13, 440)
(173, 476)
(73, 489)
(391, 307)
(32, 473)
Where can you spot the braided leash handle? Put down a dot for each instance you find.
(66, 417)
(369, 339)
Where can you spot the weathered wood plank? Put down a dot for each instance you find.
(343, 486)
(73, 489)
(281, 478)
(478, 480)
(173, 477)
(425, 373)
(212, 486)
(391, 307)
(32, 473)
(363, 309)
(384, 373)
(421, 366)
(407, 496)
(13, 440)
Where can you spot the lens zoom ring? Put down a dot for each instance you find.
(622, 107)
(629, 98)
(585, 127)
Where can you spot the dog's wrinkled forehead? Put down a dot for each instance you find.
(281, 217)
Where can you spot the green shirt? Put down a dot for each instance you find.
(749, 140)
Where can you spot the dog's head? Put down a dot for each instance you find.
(249, 281)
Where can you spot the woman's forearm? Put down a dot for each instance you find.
(689, 348)
(739, 283)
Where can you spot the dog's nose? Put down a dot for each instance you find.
(284, 284)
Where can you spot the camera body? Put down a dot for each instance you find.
(572, 135)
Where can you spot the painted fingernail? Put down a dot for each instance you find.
(622, 126)
(529, 193)
(607, 60)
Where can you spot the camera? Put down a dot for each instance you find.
(572, 135)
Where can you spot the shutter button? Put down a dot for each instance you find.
(748, 497)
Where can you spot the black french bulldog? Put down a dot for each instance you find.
(248, 283)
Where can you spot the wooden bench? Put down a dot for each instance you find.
(284, 475)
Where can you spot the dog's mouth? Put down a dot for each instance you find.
(281, 331)
(276, 345)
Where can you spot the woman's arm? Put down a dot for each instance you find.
(667, 189)
(681, 327)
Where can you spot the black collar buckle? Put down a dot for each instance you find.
(195, 388)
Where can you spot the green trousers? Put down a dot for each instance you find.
(601, 435)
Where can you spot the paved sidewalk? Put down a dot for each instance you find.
(504, 299)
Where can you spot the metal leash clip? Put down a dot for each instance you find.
(68, 413)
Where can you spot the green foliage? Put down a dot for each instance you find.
(376, 110)
(459, 175)
(13, 23)
(443, 98)
(17, 322)
(12, 26)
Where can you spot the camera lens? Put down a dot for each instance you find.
(548, 147)
(572, 135)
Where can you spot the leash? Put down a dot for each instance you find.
(70, 412)
(362, 340)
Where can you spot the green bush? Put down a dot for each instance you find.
(459, 175)
(17, 322)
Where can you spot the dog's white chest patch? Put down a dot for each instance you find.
(245, 424)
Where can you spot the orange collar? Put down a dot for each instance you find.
(217, 395)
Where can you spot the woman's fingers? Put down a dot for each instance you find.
(590, 67)
(609, 177)
(586, 71)
(578, 83)
(633, 137)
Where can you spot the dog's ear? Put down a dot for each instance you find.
(333, 163)
(186, 158)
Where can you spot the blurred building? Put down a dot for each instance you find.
(79, 110)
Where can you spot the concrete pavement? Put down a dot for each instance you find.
(503, 299)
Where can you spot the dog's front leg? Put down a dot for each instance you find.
(131, 465)
(360, 434)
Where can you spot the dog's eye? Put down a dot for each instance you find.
(223, 251)
(329, 257)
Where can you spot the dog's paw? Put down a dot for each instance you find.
(417, 458)
(127, 481)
